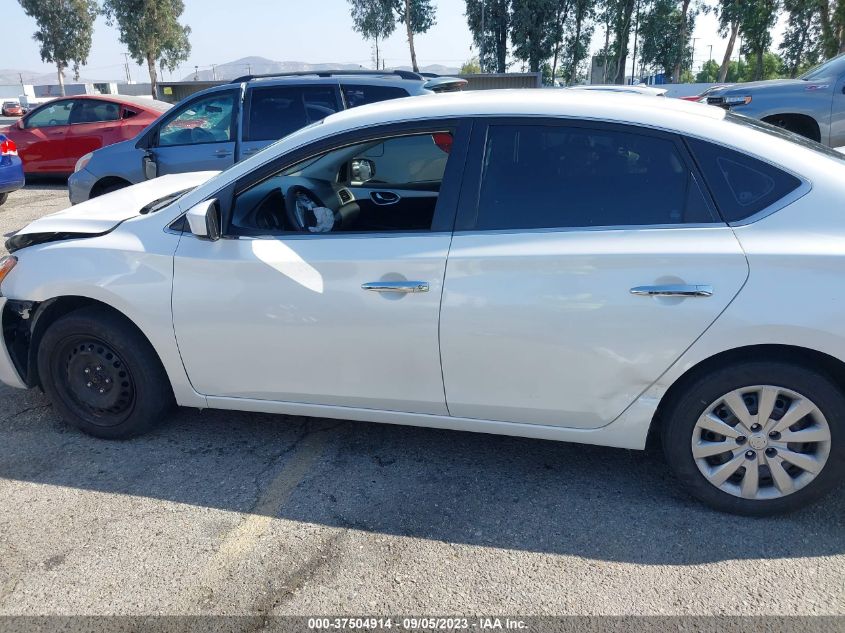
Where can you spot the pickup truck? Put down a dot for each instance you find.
(812, 105)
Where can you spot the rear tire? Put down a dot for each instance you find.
(764, 479)
(102, 374)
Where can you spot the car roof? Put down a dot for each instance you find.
(141, 102)
(586, 104)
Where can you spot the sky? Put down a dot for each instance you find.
(285, 30)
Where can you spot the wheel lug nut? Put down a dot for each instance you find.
(774, 435)
(741, 439)
(99, 368)
(90, 384)
(756, 427)
(108, 381)
(102, 391)
(750, 454)
(771, 452)
(87, 371)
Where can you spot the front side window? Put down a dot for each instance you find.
(276, 111)
(538, 176)
(380, 185)
(51, 115)
(206, 120)
(358, 95)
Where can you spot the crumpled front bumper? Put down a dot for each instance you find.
(8, 373)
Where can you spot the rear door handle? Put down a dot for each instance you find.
(674, 290)
(223, 153)
(396, 286)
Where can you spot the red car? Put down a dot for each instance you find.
(52, 137)
(11, 108)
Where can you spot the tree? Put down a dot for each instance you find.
(64, 32)
(729, 16)
(578, 39)
(471, 67)
(801, 39)
(832, 22)
(685, 23)
(662, 48)
(151, 31)
(709, 72)
(532, 31)
(561, 14)
(490, 35)
(418, 16)
(374, 20)
(620, 12)
(756, 22)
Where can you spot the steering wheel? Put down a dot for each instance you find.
(201, 135)
(306, 212)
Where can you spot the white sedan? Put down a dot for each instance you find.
(567, 265)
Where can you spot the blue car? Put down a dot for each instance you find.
(11, 168)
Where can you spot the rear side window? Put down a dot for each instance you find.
(537, 176)
(362, 95)
(276, 111)
(741, 185)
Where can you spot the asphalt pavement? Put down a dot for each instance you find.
(235, 513)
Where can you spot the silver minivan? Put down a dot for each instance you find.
(217, 127)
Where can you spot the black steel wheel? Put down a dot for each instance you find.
(103, 375)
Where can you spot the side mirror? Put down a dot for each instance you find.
(150, 166)
(204, 220)
(361, 169)
(19, 124)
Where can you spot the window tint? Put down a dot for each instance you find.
(91, 111)
(276, 111)
(55, 113)
(362, 95)
(381, 185)
(206, 120)
(741, 185)
(538, 176)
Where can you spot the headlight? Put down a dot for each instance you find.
(7, 263)
(82, 162)
(737, 100)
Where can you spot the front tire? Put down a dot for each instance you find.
(3, 198)
(757, 438)
(102, 374)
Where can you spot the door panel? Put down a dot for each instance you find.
(541, 327)
(42, 144)
(288, 320)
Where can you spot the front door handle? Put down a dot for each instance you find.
(223, 153)
(674, 290)
(396, 286)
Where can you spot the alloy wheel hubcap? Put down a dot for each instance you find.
(761, 442)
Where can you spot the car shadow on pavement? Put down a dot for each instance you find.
(493, 491)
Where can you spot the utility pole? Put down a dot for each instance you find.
(126, 66)
(214, 72)
(692, 63)
(196, 73)
(710, 58)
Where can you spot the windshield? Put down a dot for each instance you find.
(779, 132)
(831, 68)
(158, 205)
